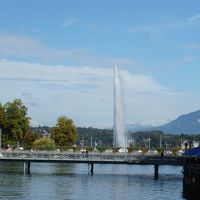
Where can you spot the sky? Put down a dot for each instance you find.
(58, 57)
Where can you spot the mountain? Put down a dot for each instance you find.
(186, 123)
(138, 127)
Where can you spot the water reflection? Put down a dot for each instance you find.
(72, 181)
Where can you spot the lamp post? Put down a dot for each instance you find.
(147, 140)
(91, 139)
(131, 142)
(160, 140)
(149, 143)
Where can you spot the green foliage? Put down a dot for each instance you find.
(89, 148)
(168, 140)
(30, 138)
(65, 132)
(44, 144)
(101, 148)
(2, 116)
(160, 150)
(103, 137)
(175, 150)
(14, 121)
(145, 149)
(130, 149)
(140, 136)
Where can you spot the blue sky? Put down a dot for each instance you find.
(59, 56)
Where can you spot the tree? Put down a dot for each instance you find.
(16, 122)
(44, 144)
(30, 138)
(65, 132)
(2, 116)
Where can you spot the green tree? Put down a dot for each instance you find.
(16, 122)
(2, 116)
(44, 144)
(30, 138)
(65, 132)
(101, 148)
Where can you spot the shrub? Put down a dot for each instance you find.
(44, 144)
(89, 148)
(160, 150)
(101, 148)
(115, 149)
(145, 149)
(130, 149)
(174, 150)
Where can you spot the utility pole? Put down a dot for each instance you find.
(91, 139)
(181, 142)
(160, 140)
(149, 143)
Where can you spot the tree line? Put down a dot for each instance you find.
(17, 131)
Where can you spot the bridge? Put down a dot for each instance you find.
(90, 158)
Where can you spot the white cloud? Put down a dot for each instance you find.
(28, 48)
(77, 92)
(140, 83)
(149, 29)
(188, 58)
(192, 46)
(193, 18)
(18, 45)
(69, 22)
(58, 90)
(162, 27)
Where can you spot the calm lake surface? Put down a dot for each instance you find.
(72, 182)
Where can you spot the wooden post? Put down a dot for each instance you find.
(27, 166)
(156, 167)
(91, 168)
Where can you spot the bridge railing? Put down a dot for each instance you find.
(79, 156)
(43, 155)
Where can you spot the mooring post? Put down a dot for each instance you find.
(91, 168)
(27, 166)
(156, 167)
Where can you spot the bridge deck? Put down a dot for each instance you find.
(92, 157)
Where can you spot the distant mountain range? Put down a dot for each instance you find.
(187, 124)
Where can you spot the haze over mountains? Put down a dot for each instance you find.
(186, 123)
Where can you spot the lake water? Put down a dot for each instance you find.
(72, 182)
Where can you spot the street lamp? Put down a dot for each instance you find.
(149, 143)
(91, 139)
(131, 142)
(160, 140)
(147, 140)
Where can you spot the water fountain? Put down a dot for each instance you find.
(119, 139)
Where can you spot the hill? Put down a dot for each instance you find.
(186, 123)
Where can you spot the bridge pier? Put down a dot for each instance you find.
(27, 166)
(156, 168)
(91, 168)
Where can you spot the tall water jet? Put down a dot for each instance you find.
(119, 139)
